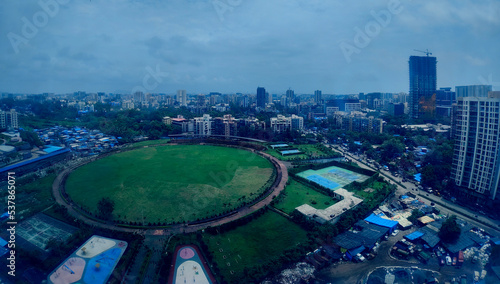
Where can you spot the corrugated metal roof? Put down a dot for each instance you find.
(381, 221)
(415, 235)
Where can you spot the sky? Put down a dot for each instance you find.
(231, 46)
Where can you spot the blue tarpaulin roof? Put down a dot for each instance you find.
(496, 241)
(49, 149)
(415, 235)
(418, 177)
(381, 221)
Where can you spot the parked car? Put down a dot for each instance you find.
(448, 260)
(360, 258)
(454, 261)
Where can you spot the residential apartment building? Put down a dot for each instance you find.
(8, 119)
(282, 123)
(476, 161)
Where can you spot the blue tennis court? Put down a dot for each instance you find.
(333, 177)
(323, 181)
(344, 174)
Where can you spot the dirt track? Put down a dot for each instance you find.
(275, 189)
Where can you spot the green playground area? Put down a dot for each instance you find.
(174, 183)
(296, 194)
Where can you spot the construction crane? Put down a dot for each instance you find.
(426, 52)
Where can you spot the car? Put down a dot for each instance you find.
(441, 260)
(448, 260)
(395, 233)
(454, 261)
(360, 258)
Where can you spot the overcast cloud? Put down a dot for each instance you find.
(236, 45)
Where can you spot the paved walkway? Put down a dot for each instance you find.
(276, 188)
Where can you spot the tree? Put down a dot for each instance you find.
(105, 207)
(415, 214)
(391, 149)
(450, 231)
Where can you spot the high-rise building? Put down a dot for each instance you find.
(480, 91)
(261, 97)
(182, 97)
(317, 97)
(396, 109)
(290, 96)
(445, 98)
(227, 126)
(423, 82)
(476, 159)
(282, 123)
(203, 125)
(8, 119)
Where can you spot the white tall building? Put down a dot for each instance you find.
(182, 97)
(282, 123)
(203, 125)
(476, 161)
(8, 119)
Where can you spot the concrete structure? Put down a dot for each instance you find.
(8, 119)
(167, 120)
(332, 213)
(476, 161)
(396, 109)
(203, 125)
(261, 97)
(480, 91)
(317, 97)
(181, 97)
(357, 121)
(227, 126)
(423, 81)
(282, 123)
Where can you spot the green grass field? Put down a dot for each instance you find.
(259, 242)
(309, 152)
(296, 194)
(33, 196)
(171, 183)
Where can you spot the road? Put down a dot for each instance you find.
(349, 272)
(445, 206)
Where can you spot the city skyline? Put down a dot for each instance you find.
(202, 46)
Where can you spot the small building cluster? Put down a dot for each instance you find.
(207, 125)
(79, 140)
(358, 122)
